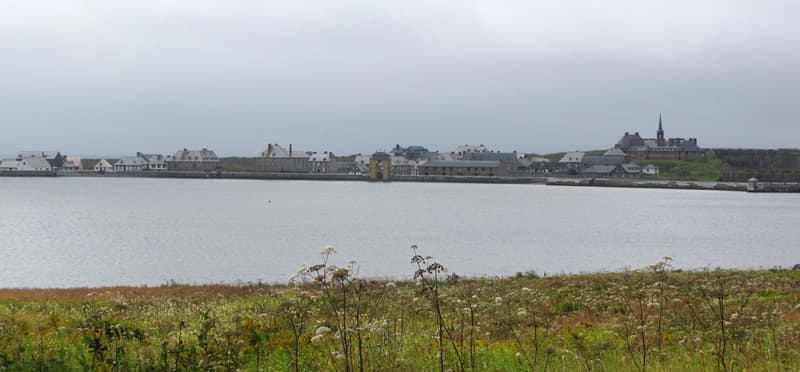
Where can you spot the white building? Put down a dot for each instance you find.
(9, 165)
(130, 164)
(72, 163)
(54, 158)
(323, 162)
(34, 164)
(153, 162)
(572, 159)
(650, 170)
(402, 166)
(103, 166)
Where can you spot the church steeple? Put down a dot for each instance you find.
(660, 134)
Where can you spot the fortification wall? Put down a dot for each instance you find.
(760, 159)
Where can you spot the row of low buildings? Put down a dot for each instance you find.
(613, 163)
(182, 161)
(40, 161)
(627, 159)
(466, 160)
(623, 160)
(50, 161)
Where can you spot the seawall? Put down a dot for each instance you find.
(27, 174)
(551, 181)
(649, 184)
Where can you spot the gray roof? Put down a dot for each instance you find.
(381, 156)
(628, 140)
(130, 160)
(9, 163)
(462, 164)
(433, 156)
(632, 168)
(600, 169)
(505, 157)
(154, 158)
(39, 154)
(37, 163)
(615, 152)
(195, 155)
(688, 146)
(280, 152)
(590, 160)
(572, 157)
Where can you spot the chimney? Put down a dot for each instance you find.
(290, 150)
(269, 150)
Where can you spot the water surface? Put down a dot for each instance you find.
(61, 232)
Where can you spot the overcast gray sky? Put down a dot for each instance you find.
(116, 77)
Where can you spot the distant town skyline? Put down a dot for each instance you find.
(355, 76)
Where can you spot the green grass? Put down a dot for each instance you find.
(705, 168)
(562, 323)
(237, 164)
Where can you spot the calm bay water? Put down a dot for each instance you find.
(94, 232)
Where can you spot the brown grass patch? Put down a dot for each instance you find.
(89, 294)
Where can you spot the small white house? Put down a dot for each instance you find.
(572, 159)
(130, 164)
(72, 163)
(650, 170)
(103, 166)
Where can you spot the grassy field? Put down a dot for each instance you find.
(237, 164)
(706, 168)
(653, 319)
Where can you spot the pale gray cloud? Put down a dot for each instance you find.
(101, 77)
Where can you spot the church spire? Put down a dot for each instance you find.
(660, 134)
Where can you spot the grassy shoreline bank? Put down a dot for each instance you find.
(656, 319)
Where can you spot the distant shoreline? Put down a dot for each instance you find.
(537, 180)
(171, 288)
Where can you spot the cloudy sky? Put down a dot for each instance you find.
(116, 77)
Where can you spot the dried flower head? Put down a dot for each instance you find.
(321, 331)
(328, 250)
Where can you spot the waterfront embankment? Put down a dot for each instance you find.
(649, 184)
(551, 181)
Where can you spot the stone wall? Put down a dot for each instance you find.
(188, 166)
(760, 159)
(782, 165)
(283, 165)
